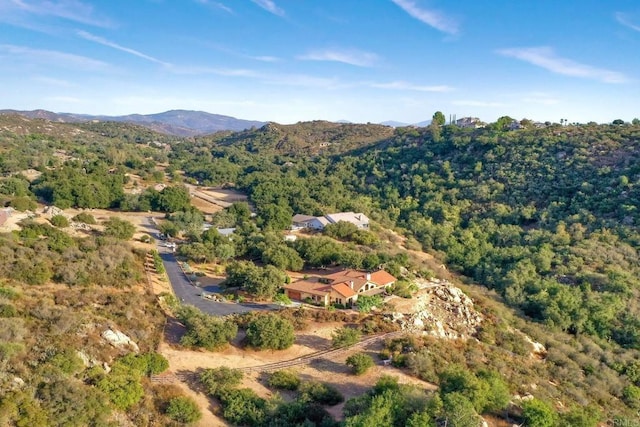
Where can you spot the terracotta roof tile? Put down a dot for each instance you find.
(344, 290)
(381, 277)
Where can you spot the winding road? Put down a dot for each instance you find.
(190, 294)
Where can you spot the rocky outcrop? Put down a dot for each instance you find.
(120, 340)
(539, 350)
(52, 211)
(439, 309)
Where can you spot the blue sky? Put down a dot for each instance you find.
(296, 60)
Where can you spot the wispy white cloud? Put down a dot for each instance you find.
(281, 79)
(625, 20)
(264, 58)
(71, 10)
(198, 70)
(402, 85)
(546, 58)
(473, 103)
(304, 80)
(351, 57)
(50, 81)
(100, 40)
(270, 6)
(433, 18)
(217, 5)
(54, 58)
(65, 99)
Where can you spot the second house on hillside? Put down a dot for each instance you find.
(301, 222)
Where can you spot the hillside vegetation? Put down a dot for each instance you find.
(305, 138)
(542, 224)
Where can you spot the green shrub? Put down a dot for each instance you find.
(8, 293)
(183, 410)
(458, 411)
(360, 362)
(23, 203)
(243, 407)
(156, 363)
(345, 337)
(300, 414)
(157, 262)
(119, 228)
(631, 396)
(67, 361)
(282, 299)
(403, 289)
(205, 331)
(498, 394)
(539, 414)
(123, 387)
(460, 380)
(8, 310)
(10, 349)
(322, 393)
(270, 331)
(59, 221)
(85, 218)
(366, 303)
(582, 416)
(285, 380)
(218, 380)
(146, 364)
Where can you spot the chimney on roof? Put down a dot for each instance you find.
(368, 276)
(351, 284)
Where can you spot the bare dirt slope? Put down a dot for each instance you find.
(316, 337)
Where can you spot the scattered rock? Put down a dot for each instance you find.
(517, 400)
(439, 309)
(539, 350)
(18, 382)
(87, 360)
(119, 339)
(52, 211)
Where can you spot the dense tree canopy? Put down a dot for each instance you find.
(270, 331)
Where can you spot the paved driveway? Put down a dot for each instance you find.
(190, 294)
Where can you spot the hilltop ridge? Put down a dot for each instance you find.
(172, 122)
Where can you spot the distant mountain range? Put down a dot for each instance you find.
(395, 124)
(174, 122)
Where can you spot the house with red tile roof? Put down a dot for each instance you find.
(342, 287)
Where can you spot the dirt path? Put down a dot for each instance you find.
(320, 365)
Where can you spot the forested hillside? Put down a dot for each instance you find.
(546, 218)
(303, 139)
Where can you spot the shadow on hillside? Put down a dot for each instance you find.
(192, 380)
(326, 365)
(173, 331)
(313, 341)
